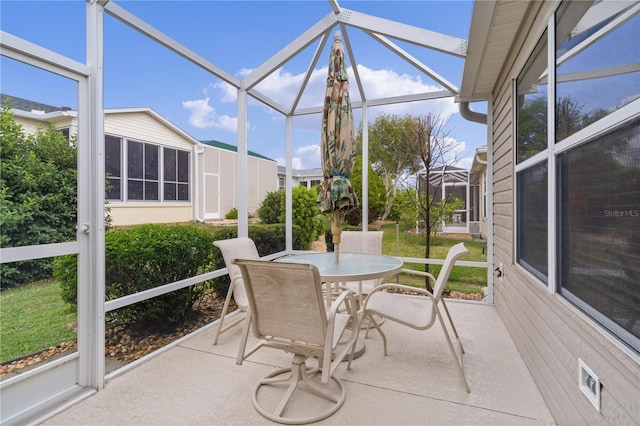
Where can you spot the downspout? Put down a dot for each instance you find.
(199, 150)
(467, 114)
(476, 117)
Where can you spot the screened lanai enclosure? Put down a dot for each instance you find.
(85, 76)
(552, 88)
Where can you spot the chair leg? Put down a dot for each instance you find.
(243, 341)
(453, 327)
(223, 313)
(298, 372)
(377, 327)
(457, 358)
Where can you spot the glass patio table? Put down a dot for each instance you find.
(351, 267)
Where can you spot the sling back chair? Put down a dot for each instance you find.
(420, 311)
(233, 248)
(362, 242)
(288, 312)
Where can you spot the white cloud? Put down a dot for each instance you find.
(307, 157)
(204, 116)
(313, 150)
(228, 92)
(283, 87)
(296, 162)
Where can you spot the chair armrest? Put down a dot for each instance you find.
(384, 287)
(420, 273)
(350, 303)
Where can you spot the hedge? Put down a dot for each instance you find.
(142, 257)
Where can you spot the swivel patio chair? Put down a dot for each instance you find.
(418, 312)
(288, 312)
(231, 249)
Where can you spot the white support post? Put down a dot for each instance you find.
(91, 196)
(242, 162)
(365, 167)
(288, 186)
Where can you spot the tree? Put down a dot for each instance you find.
(38, 175)
(390, 153)
(376, 195)
(435, 149)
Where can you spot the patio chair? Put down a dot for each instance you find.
(420, 311)
(231, 249)
(362, 242)
(287, 311)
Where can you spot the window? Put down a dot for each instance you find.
(531, 177)
(176, 175)
(531, 109)
(587, 167)
(532, 227)
(598, 176)
(144, 169)
(113, 167)
(594, 55)
(599, 215)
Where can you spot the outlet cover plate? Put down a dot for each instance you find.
(589, 384)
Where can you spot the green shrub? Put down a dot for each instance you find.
(306, 215)
(270, 208)
(377, 195)
(37, 195)
(232, 214)
(307, 221)
(144, 257)
(147, 256)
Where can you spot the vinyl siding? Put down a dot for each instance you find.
(142, 127)
(550, 333)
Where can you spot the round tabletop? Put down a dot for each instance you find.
(351, 266)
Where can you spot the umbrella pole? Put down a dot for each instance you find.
(336, 230)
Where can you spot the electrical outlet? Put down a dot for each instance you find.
(500, 271)
(589, 384)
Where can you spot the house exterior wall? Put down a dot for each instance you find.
(550, 333)
(30, 125)
(142, 127)
(220, 188)
(262, 179)
(213, 170)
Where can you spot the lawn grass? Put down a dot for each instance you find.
(404, 244)
(32, 318)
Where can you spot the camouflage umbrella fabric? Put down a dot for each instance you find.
(337, 145)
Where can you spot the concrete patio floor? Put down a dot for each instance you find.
(197, 383)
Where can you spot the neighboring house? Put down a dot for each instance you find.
(562, 83)
(450, 181)
(301, 177)
(156, 172)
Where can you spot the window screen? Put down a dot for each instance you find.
(532, 223)
(599, 221)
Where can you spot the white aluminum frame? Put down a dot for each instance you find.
(82, 373)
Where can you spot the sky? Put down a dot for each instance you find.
(239, 36)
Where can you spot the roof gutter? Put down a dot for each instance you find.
(467, 114)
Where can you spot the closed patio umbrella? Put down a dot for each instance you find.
(337, 146)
